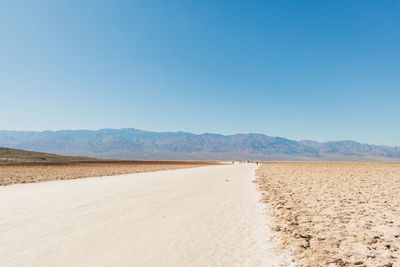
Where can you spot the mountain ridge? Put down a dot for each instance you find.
(131, 143)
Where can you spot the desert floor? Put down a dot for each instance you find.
(335, 214)
(18, 173)
(207, 216)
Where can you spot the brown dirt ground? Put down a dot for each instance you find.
(335, 214)
(17, 173)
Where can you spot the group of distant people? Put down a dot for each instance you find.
(243, 161)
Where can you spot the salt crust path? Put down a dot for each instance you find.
(207, 216)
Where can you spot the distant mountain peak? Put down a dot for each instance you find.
(131, 143)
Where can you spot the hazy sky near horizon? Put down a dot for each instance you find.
(321, 70)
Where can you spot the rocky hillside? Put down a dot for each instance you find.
(8, 155)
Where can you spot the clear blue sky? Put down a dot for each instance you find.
(322, 70)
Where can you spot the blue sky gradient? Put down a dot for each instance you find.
(321, 70)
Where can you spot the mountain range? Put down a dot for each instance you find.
(137, 144)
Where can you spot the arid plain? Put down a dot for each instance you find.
(335, 214)
(22, 166)
(39, 172)
(320, 214)
(207, 216)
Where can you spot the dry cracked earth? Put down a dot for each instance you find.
(335, 214)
